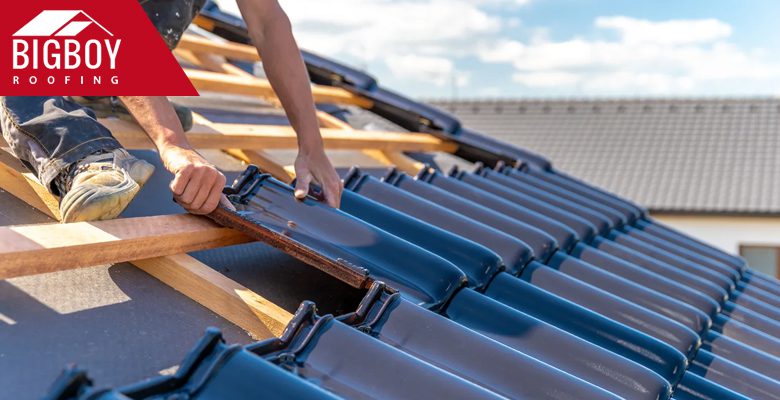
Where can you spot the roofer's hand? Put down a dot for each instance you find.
(197, 184)
(315, 167)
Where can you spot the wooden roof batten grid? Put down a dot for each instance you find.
(34, 249)
(213, 55)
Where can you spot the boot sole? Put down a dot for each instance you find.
(94, 203)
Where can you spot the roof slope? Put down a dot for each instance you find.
(717, 156)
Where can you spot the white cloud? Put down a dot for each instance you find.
(370, 29)
(433, 70)
(546, 79)
(502, 51)
(502, 2)
(667, 57)
(634, 30)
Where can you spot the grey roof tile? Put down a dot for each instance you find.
(680, 155)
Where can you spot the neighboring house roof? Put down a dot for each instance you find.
(684, 155)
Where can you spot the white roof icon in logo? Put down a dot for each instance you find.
(58, 23)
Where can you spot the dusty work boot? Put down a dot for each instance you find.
(101, 185)
(105, 107)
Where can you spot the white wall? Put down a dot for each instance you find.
(727, 233)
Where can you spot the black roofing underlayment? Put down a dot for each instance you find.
(509, 281)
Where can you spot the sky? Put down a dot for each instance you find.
(549, 48)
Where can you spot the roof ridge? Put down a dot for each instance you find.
(677, 100)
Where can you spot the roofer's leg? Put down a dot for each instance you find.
(172, 17)
(73, 156)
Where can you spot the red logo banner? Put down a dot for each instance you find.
(85, 48)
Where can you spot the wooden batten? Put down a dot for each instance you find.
(35, 249)
(258, 137)
(224, 83)
(32, 249)
(231, 50)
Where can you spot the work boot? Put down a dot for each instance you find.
(101, 185)
(105, 107)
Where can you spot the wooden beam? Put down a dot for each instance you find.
(259, 317)
(329, 121)
(36, 249)
(283, 137)
(260, 158)
(244, 136)
(22, 184)
(217, 82)
(397, 159)
(204, 23)
(186, 56)
(231, 50)
(265, 161)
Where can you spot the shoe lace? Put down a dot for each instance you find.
(64, 180)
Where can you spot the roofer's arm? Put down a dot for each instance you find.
(271, 32)
(197, 184)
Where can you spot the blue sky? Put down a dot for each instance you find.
(550, 48)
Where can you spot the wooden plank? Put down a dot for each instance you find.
(36, 249)
(260, 158)
(231, 50)
(244, 136)
(204, 23)
(216, 63)
(282, 137)
(244, 308)
(186, 56)
(329, 121)
(397, 159)
(265, 161)
(218, 82)
(17, 180)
